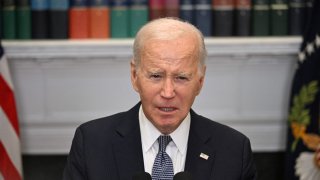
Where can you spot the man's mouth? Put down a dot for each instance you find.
(167, 109)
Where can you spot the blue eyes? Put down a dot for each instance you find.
(176, 78)
(182, 78)
(155, 76)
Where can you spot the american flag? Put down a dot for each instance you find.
(10, 155)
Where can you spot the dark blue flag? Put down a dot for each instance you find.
(304, 112)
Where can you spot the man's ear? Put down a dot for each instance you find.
(133, 74)
(201, 79)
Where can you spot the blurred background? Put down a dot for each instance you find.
(65, 62)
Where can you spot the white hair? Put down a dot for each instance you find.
(168, 29)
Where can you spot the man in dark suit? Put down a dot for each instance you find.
(167, 71)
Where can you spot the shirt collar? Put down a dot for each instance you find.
(149, 133)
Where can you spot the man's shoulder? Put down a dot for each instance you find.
(217, 129)
(112, 120)
(104, 121)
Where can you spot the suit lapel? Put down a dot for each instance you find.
(200, 158)
(127, 146)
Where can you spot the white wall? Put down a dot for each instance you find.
(61, 84)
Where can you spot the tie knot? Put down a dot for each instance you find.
(163, 142)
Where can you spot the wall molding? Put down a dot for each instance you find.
(121, 48)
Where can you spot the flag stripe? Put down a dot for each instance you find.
(4, 71)
(7, 169)
(8, 104)
(10, 141)
(10, 154)
(1, 177)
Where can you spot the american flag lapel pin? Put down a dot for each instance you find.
(204, 156)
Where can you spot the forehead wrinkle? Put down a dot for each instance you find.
(156, 59)
(166, 63)
(151, 60)
(172, 71)
(187, 48)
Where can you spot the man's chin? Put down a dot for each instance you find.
(167, 128)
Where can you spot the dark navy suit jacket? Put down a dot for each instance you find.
(110, 149)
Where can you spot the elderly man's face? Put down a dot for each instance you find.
(168, 80)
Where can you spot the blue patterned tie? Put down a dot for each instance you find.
(162, 167)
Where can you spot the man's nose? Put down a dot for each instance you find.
(168, 89)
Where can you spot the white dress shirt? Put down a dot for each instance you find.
(176, 149)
